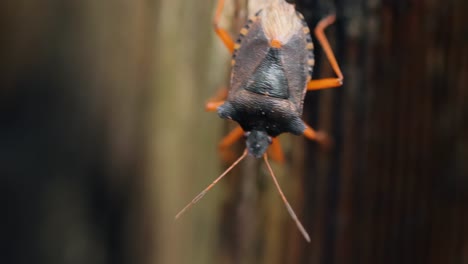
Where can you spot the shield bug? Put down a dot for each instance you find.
(272, 62)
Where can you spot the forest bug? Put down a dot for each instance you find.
(272, 62)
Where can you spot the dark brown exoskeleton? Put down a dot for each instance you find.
(272, 62)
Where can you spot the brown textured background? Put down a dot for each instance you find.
(103, 138)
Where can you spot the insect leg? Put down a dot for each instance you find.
(325, 83)
(321, 137)
(322, 38)
(216, 100)
(227, 141)
(275, 151)
(222, 33)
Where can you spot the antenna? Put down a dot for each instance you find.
(286, 203)
(200, 195)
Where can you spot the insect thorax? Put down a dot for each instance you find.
(269, 77)
(257, 112)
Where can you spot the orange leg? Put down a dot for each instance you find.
(222, 33)
(227, 141)
(216, 100)
(321, 137)
(213, 106)
(275, 151)
(327, 82)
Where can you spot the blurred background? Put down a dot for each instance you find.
(104, 138)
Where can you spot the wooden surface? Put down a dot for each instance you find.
(73, 75)
(182, 137)
(393, 189)
(103, 138)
